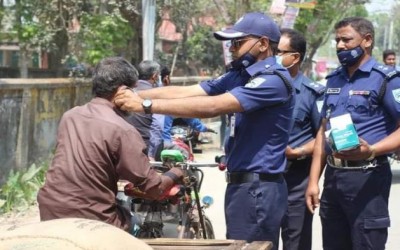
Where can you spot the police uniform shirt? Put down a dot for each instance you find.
(358, 96)
(260, 133)
(306, 114)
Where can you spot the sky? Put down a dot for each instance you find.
(380, 5)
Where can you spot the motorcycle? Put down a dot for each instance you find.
(180, 206)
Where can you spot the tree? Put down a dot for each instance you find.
(317, 24)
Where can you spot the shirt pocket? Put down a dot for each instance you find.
(358, 104)
(300, 117)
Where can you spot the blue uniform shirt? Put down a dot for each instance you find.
(161, 130)
(260, 134)
(194, 123)
(358, 96)
(306, 114)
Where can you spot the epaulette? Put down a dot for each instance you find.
(384, 69)
(334, 73)
(287, 83)
(316, 87)
(389, 76)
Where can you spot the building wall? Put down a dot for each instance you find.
(30, 110)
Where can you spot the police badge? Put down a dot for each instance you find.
(396, 95)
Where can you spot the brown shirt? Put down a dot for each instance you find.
(95, 148)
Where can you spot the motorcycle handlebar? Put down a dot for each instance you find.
(193, 164)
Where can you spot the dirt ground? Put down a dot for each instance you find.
(27, 216)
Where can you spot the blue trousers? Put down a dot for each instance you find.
(297, 222)
(354, 208)
(254, 210)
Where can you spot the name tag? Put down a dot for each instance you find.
(232, 126)
(333, 91)
(359, 92)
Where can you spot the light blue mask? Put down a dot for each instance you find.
(279, 60)
(159, 82)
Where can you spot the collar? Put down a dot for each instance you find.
(298, 80)
(365, 67)
(144, 82)
(261, 65)
(102, 101)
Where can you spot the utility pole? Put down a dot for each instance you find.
(391, 35)
(149, 20)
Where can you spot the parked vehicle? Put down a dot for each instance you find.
(180, 206)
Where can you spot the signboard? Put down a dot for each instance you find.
(303, 4)
(277, 7)
(289, 18)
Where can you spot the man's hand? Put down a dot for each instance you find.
(360, 153)
(312, 197)
(127, 100)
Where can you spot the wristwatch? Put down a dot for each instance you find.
(146, 104)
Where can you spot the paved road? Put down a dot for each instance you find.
(214, 185)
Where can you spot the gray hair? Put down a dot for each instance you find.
(147, 69)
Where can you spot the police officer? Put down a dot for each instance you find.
(354, 202)
(259, 93)
(297, 222)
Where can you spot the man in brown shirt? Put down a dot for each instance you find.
(95, 148)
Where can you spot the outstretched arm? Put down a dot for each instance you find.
(194, 107)
(171, 92)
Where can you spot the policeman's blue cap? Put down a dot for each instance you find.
(253, 23)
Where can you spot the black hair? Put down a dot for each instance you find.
(359, 24)
(147, 69)
(165, 71)
(297, 41)
(274, 47)
(387, 53)
(111, 73)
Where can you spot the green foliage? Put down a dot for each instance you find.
(20, 190)
(102, 35)
(204, 49)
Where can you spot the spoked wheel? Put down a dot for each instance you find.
(194, 230)
(150, 230)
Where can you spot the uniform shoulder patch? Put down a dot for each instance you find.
(384, 69)
(254, 83)
(334, 73)
(396, 95)
(316, 87)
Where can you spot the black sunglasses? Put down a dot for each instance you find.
(285, 51)
(238, 42)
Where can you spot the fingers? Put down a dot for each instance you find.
(310, 204)
(127, 99)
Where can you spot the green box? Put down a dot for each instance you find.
(344, 138)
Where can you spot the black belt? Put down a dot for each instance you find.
(300, 163)
(361, 164)
(243, 177)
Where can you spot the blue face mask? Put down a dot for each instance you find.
(244, 61)
(349, 57)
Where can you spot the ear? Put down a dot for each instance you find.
(296, 58)
(154, 77)
(368, 41)
(264, 44)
